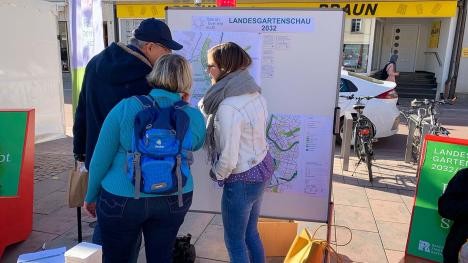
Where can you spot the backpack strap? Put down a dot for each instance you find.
(181, 120)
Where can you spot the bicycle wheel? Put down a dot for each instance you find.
(368, 159)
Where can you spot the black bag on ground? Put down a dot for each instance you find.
(184, 251)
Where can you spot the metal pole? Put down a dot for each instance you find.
(346, 140)
(409, 139)
(78, 218)
(461, 30)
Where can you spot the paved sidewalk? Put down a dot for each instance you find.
(378, 213)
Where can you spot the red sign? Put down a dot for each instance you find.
(16, 200)
(230, 3)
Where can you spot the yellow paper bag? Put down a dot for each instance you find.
(306, 249)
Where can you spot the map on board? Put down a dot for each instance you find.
(294, 142)
(196, 45)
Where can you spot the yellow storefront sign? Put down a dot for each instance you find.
(465, 52)
(435, 34)
(408, 9)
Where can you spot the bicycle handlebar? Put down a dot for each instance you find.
(351, 97)
(415, 102)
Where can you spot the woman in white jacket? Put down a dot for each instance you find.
(236, 143)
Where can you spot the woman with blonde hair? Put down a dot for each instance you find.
(111, 195)
(236, 143)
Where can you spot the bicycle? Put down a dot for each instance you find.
(363, 133)
(426, 114)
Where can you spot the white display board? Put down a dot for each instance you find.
(30, 65)
(126, 27)
(296, 60)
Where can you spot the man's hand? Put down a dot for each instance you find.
(80, 157)
(90, 209)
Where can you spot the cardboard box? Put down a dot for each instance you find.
(277, 236)
(84, 253)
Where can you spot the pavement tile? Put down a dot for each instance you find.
(406, 182)
(56, 222)
(46, 187)
(364, 247)
(70, 238)
(356, 218)
(393, 235)
(52, 202)
(345, 194)
(383, 194)
(337, 178)
(32, 244)
(195, 224)
(395, 256)
(408, 199)
(217, 220)
(350, 180)
(211, 244)
(389, 211)
(313, 226)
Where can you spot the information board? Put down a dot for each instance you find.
(296, 60)
(441, 158)
(11, 151)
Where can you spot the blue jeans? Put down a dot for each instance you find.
(240, 208)
(121, 220)
(97, 239)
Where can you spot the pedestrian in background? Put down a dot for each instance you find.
(390, 68)
(236, 143)
(123, 217)
(118, 72)
(453, 205)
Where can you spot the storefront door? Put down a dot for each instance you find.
(404, 43)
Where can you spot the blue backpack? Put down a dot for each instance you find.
(157, 164)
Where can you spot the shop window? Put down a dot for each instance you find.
(355, 57)
(356, 25)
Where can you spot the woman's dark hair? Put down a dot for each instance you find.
(229, 57)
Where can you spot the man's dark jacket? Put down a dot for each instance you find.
(453, 205)
(116, 73)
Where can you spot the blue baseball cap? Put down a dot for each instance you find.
(156, 31)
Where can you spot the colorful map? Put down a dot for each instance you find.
(294, 141)
(282, 135)
(196, 45)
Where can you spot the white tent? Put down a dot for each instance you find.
(30, 72)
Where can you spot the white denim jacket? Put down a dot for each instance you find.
(240, 126)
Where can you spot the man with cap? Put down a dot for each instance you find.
(118, 72)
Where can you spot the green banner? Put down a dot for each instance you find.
(428, 229)
(77, 81)
(11, 151)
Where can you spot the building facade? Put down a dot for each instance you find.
(422, 33)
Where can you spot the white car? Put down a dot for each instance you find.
(382, 111)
